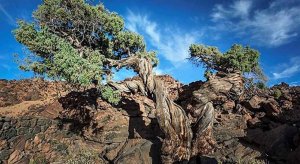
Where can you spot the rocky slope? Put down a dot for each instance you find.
(47, 122)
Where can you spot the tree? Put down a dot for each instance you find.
(78, 42)
(237, 58)
(71, 40)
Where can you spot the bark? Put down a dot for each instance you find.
(219, 85)
(179, 143)
(171, 117)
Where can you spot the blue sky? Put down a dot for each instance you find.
(170, 26)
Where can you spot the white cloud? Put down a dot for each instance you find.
(286, 72)
(171, 42)
(295, 83)
(240, 8)
(275, 25)
(10, 19)
(137, 22)
(289, 69)
(158, 71)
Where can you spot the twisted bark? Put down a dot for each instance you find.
(220, 85)
(179, 143)
(171, 117)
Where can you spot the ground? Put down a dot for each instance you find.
(46, 122)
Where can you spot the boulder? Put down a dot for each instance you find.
(255, 102)
(271, 109)
(139, 151)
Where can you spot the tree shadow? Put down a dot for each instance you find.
(138, 129)
(78, 109)
(137, 124)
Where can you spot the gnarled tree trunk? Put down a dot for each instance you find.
(179, 143)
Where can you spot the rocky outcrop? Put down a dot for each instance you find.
(255, 127)
(14, 92)
(273, 125)
(22, 137)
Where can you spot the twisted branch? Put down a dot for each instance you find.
(171, 117)
(179, 143)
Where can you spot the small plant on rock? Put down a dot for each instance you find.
(277, 93)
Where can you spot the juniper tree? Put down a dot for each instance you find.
(237, 58)
(72, 40)
(79, 42)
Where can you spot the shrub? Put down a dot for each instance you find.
(112, 96)
(277, 93)
(261, 85)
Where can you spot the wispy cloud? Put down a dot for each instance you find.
(9, 19)
(138, 23)
(275, 25)
(239, 8)
(6, 67)
(295, 83)
(289, 69)
(158, 71)
(171, 42)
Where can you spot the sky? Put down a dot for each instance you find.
(170, 26)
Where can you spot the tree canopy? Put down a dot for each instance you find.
(237, 58)
(73, 40)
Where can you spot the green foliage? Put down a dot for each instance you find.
(151, 55)
(277, 93)
(207, 74)
(112, 96)
(71, 40)
(58, 59)
(237, 58)
(261, 85)
(127, 40)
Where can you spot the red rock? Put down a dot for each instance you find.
(3, 144)
(228, 105)
(255, 102)
(247, 117)
(14, 157)
(287, 105)
(37, 140)
(19, 143)
(271, 109)
(253, 122)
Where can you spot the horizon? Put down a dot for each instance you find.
(169, 27)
